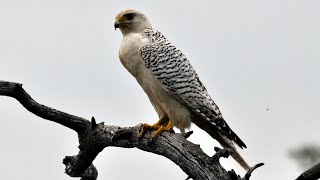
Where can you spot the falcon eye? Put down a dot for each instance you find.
(128, 16)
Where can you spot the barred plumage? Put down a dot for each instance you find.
(170, 82)
(175, 73)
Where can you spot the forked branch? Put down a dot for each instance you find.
(93, 138)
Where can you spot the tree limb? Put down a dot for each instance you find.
(93, 138)
(311, 174)
(16, 91)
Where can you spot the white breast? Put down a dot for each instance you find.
(128, 53)
(164, 103)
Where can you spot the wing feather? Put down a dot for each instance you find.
(174, 72)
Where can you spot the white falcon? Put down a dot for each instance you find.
(171, 83)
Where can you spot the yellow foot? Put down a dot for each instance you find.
(145, 128)
(168, 127)
(164, 124)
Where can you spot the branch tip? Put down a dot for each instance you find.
(93, 123)
(187, 134)
(248, 174)
(216, 149)
(90, 173)
(67, 160)
(233, 175)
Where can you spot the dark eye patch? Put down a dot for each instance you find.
(129, 16)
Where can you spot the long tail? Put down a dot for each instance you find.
(226, 143)
(223, 140)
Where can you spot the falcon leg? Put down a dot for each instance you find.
(156, 126)
(166, 127)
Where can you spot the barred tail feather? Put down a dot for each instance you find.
(222, 139)
(226, 143)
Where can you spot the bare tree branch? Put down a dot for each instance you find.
(311, 174)
(16, 91)
(93, 138)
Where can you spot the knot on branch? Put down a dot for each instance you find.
(122, 134)
(90, 173)
(220, 153)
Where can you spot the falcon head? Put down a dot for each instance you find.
(131, 21)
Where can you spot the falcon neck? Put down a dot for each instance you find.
(135, 29)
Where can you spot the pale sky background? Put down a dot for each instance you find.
(251, 55)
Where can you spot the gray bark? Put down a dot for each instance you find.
(311, 174)
(93, 138)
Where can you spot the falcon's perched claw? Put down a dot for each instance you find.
(164, 124)
(167, 127)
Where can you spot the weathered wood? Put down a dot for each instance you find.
(311, 174)
(93, 138)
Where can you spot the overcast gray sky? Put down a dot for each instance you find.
(251, 55)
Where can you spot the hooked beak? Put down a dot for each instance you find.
(117, 24)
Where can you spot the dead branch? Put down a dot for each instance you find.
(93, 138)
(311, 174)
